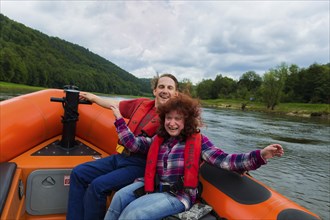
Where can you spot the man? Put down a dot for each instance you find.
(91, 182)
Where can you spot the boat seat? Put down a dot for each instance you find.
(238, 187)
(7, 172)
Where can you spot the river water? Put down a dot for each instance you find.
(302, 173)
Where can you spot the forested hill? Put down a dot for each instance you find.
(30, 57)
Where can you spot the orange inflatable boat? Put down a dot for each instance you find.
(46, 133)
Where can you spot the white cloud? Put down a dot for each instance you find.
(191, 39)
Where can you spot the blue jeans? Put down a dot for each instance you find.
(125, 205)
(91, 182)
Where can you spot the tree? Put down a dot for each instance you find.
(7, 61)
(273, 84)
(292, 92)
(251, 80)
(186, 86)
(248, 84)
(317, 83)
(311, 85)
(203, 89)
(222, 87)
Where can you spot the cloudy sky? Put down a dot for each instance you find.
(191, 39)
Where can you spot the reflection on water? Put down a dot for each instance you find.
(302, 174)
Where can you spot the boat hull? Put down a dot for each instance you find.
(236, 196)
(39, 182)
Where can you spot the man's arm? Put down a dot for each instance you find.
(105, 103)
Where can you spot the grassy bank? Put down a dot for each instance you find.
(294, 109)
(6, 87)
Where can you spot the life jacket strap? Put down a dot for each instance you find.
(120, 148)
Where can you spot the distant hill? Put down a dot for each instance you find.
(30, 57)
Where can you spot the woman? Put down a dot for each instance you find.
(173, 160)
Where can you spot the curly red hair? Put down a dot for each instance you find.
(191, 110)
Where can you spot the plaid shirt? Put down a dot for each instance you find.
(170, 164)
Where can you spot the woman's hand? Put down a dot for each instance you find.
(116, 111)
(272, 150)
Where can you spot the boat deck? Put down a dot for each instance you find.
(46, 180)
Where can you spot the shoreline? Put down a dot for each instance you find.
(293, 113)
(303, 110)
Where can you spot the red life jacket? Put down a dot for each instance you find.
(140, 112)
(192, 154)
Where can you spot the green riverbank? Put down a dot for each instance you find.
(291, 109)
(6, 87)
